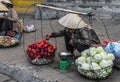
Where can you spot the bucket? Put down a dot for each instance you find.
(107, 41)
(64, 65)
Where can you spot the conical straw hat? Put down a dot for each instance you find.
(3, 8)
(6, 1)
(72, 21)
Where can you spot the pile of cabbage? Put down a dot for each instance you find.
(95, 63)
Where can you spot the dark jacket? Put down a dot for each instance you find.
(6, 22)
(83, 38)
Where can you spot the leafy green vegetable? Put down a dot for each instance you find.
(85, 66)
(81, 60)
(99, 49)
(95, 66)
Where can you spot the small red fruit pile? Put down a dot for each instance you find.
(40, 49)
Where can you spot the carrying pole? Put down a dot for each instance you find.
(61, 9)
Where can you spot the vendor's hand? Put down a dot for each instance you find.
(47, 36)
(71, 42)
(3, 17)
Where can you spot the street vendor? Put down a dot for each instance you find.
(78, 35)
(8, 18)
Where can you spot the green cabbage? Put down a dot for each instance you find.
(90, 60)
(94, 59)
(88, 52)
(81, 60)
(109, 62)
(94, 66)
(85, 66)
(98, 57)
(105, 63)
(104, 55)
(110, 56)
(84, 53)
(91, 51)
(99, 49)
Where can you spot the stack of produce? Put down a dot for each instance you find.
(41, 52)
(95, 63)
(9, 38)
(6, 41)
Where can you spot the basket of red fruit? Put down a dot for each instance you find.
(41, 52)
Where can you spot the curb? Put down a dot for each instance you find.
(20, 74)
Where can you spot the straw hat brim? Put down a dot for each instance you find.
(3, 8)
(6, 1)
(72, 21)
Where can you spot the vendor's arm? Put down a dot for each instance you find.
(58, 34)
(54, 34)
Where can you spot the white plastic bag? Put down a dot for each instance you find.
(113, 47)
(29, 28)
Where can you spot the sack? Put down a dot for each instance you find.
(113, 47)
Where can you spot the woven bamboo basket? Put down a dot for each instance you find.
(96, 74)
(41, 61)
(10, 38)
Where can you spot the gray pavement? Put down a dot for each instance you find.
(5, 78)
(15, 57)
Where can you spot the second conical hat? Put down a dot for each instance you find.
(6, 1)
(72, 21)
(3, 8)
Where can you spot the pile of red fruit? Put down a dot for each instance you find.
(40, 49)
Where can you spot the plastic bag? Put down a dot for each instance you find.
(113, 47)
(29, 28)
(18, 36)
